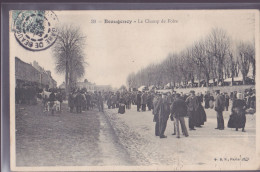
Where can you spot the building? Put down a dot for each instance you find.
(45, 76)
(87, 85)
(92, 87)
(103, 88)
(33, 74)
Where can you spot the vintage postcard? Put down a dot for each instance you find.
(135, 90)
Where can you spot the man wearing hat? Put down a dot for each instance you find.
(164, 112)
(156, 112)
(179, 110)
(192, 107)
(219, 108)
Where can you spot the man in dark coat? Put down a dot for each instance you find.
(149, 101)
(138, 101)
(206, 100)
(192, 105)
(156, 113)
(226, 101)
(219, 108)
(144, 101)
(79, 100)
(164, 112)
(100, 102)
(179, 111)
(109, 99)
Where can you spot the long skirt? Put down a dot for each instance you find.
(201, 115)
(237, 120)
(121, 109)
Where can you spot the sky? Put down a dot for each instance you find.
(113, 51)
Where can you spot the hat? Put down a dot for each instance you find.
(192, 91)
(217, 91)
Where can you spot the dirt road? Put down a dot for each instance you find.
(66, 139)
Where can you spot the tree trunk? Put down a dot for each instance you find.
(244, 78)
(66, 79)
(207, 79)
(253, 70)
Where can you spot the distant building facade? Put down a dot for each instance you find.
(92, 87)
(33, 74)
(87, 85)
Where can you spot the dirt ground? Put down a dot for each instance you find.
(204, 148)
(65, 139)
(105, 139)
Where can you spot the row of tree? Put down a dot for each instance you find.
(214, 57)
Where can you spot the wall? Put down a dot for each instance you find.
(226, 89)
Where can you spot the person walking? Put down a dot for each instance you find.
(219, 108)
(179, 111)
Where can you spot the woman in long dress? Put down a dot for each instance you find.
(122, 103)
(238, 117)
(201, 114)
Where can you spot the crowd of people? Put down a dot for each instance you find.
(82, 100)
(178, 105)
(26, 94)
(165, 105)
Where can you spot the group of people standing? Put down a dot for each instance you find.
(26, 94)
(81, 100)
(179, 105)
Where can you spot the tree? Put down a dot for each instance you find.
(123, 88)
(213, 57)
(68, 51)
(251, 55)
(219, 43)
(131, 80)
(244, 53)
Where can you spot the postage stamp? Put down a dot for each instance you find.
(35, 30)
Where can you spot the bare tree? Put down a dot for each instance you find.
(219, 43)
(209, 58)
(68, 51)
(244, 53)
(251, 55)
